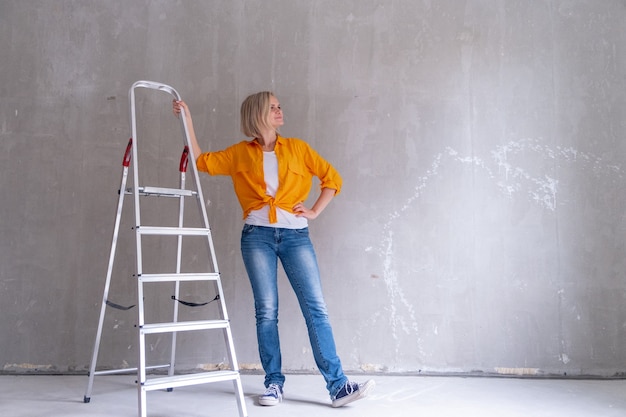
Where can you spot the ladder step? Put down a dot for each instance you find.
(163, 192)
(174, 231)
(183, 326)
(213, 276)
(190, 379)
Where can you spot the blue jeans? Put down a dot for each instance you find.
(261, 248)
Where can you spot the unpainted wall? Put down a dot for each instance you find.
(481, 226)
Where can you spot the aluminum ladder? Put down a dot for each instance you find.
(171, 381)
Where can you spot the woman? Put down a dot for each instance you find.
(272, 177)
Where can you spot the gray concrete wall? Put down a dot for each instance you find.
(481, 227)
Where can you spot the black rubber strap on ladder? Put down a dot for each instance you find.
(190, 304)
(119, 307)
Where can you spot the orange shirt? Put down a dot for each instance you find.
(297, 164)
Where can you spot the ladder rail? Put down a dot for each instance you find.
(196, 178)
(232, 356)
(180, 231)
(223, 310)
(141, 374)
(179, 252)
(107, 283)
(228, 337)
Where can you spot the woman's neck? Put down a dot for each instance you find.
(267, 140)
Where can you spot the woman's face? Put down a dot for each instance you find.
(276, 113)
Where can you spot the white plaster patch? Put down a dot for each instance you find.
(25, 366)
(371, 367)
(517, 371)
(212, 366)
(512, 180)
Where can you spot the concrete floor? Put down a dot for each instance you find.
(394, 396)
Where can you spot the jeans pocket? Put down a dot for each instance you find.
(248, 228)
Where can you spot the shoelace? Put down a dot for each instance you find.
(272, 391)
(348, 387)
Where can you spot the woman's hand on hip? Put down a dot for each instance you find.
(301, 211)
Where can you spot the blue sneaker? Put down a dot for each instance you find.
(273, 395)
(351, 391)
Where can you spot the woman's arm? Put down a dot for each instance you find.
(177, 106)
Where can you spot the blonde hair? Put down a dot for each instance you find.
(255, 113)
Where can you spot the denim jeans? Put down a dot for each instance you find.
(261, 248)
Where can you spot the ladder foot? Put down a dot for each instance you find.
(170, 389)
(86, 399)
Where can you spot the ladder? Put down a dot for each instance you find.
(171, 380)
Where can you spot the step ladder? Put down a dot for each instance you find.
(171, 380)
